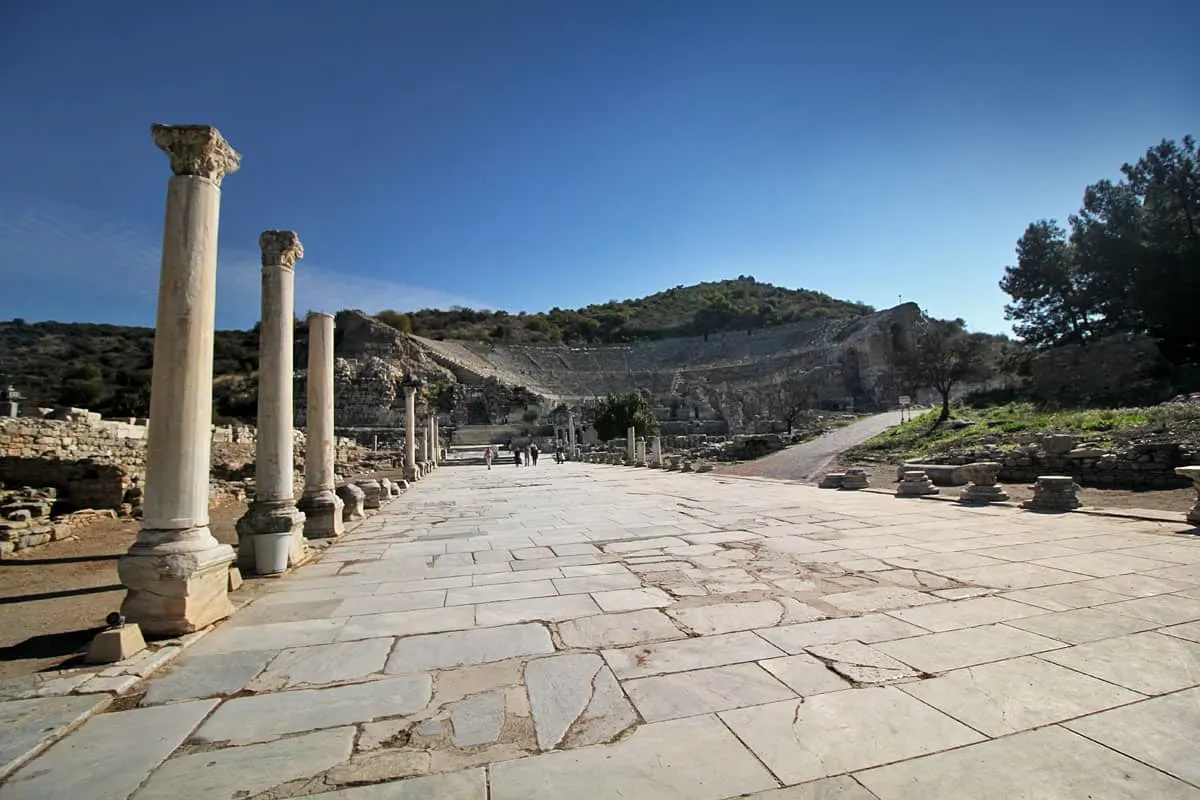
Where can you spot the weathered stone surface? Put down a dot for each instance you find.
(618, 630)
(702, 691)
(324, 664)
(27, 726)
(459, 648)
(729, 617)
(115, 644)
(110, 755)
(705, 651)
(477, 719)
(200, 676)
(856, 729)
(467, 785)
(575, 699)
(804, 674)
(251, 719)
(247, 771)
(686, 759)
(354, 502)
(861, 663)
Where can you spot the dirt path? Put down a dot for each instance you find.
(803, 461)
(54, 598)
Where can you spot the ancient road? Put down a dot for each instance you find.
(803, 461)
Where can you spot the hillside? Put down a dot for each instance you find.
(740, 304)
(107, 367)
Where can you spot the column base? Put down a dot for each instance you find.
(173, 589)
(322, 514)
(273, 516)
(410, 472)
(352, 499)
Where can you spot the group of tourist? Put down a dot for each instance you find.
(526, 456)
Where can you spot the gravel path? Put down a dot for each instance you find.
(803, 461)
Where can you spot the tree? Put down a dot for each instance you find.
(401, 322)
(617, 412)
(1131, 261)
(1052, 302)
(944, 355)
(790, 401)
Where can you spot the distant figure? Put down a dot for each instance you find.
(533, 453)
(558, 453)
(517, 456)
(488, 455)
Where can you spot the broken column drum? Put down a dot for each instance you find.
(176, 572)
(1053, 493)
(321, 506)
(983, 487)
(915, 483)
(274, 508)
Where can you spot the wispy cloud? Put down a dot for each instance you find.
(59, 261)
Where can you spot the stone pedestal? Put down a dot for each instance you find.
(631, 445)
(386, 494)
(373, 493)
(705, 466)
(1054, 494)
(1193, 475)
(353, 499)
(274, 508)
(915, 483)
(832, 480)
(176, 572)
(855, 478)
(321, 506)
(983, 487)
(640, 453)
(687, 466)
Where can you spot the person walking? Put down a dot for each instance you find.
(488, 455)
(533, 453)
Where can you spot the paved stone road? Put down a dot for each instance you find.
(586, 631)
(804, 461)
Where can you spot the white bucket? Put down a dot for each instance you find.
(271, 552)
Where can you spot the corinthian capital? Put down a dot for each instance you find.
(280, 249)
(198, 150)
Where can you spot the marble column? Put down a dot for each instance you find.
(321, 506)
(425, 442)
(631, 445)
(176, 572)
(656, 460)
(274, 507)
(410, 431)
(433, 443)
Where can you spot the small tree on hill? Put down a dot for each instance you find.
(943, 356)
(617, 412)
(790, 401)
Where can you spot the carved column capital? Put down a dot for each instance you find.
(280, 249)
(197, 150)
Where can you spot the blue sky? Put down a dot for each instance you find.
(524, 154)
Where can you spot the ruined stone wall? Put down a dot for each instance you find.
(92, 462)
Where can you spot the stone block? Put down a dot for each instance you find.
(372, 493)
(235, 579)
(1053, 494)
(354, 502)
(323, 511)
(115, 644)
(915, 484)
(854, 478)
(172, 593)
(831, 480)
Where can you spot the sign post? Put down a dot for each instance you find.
(905, 407)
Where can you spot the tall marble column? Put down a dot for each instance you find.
(411, 384)
(437, 442)
(321, 506)
(274, 507)
(631, 445)
(176, 572)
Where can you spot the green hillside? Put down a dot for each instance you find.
(107, 368)
(739, 304)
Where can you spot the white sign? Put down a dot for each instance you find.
(905, 401)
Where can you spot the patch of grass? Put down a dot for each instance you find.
(999, 425)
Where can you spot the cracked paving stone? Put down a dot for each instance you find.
(477, 719)
(862, 664)
(702, 691)
(617, 630)
(247, 771)
(323, 664)
(575, 697)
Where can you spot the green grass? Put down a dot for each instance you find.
(1004, 426)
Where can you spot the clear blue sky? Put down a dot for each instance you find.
(524, 154)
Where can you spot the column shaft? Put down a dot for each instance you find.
(410, 433)
(177, 574)
(321, 505)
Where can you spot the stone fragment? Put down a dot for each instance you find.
(575, 701)
(354, 500)
(862, 664)
(983, 488)
(115, 644)
(832, 480)
(372, 492)
(915, 483)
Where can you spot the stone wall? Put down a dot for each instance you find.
(93, 462)
(1145, 465)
